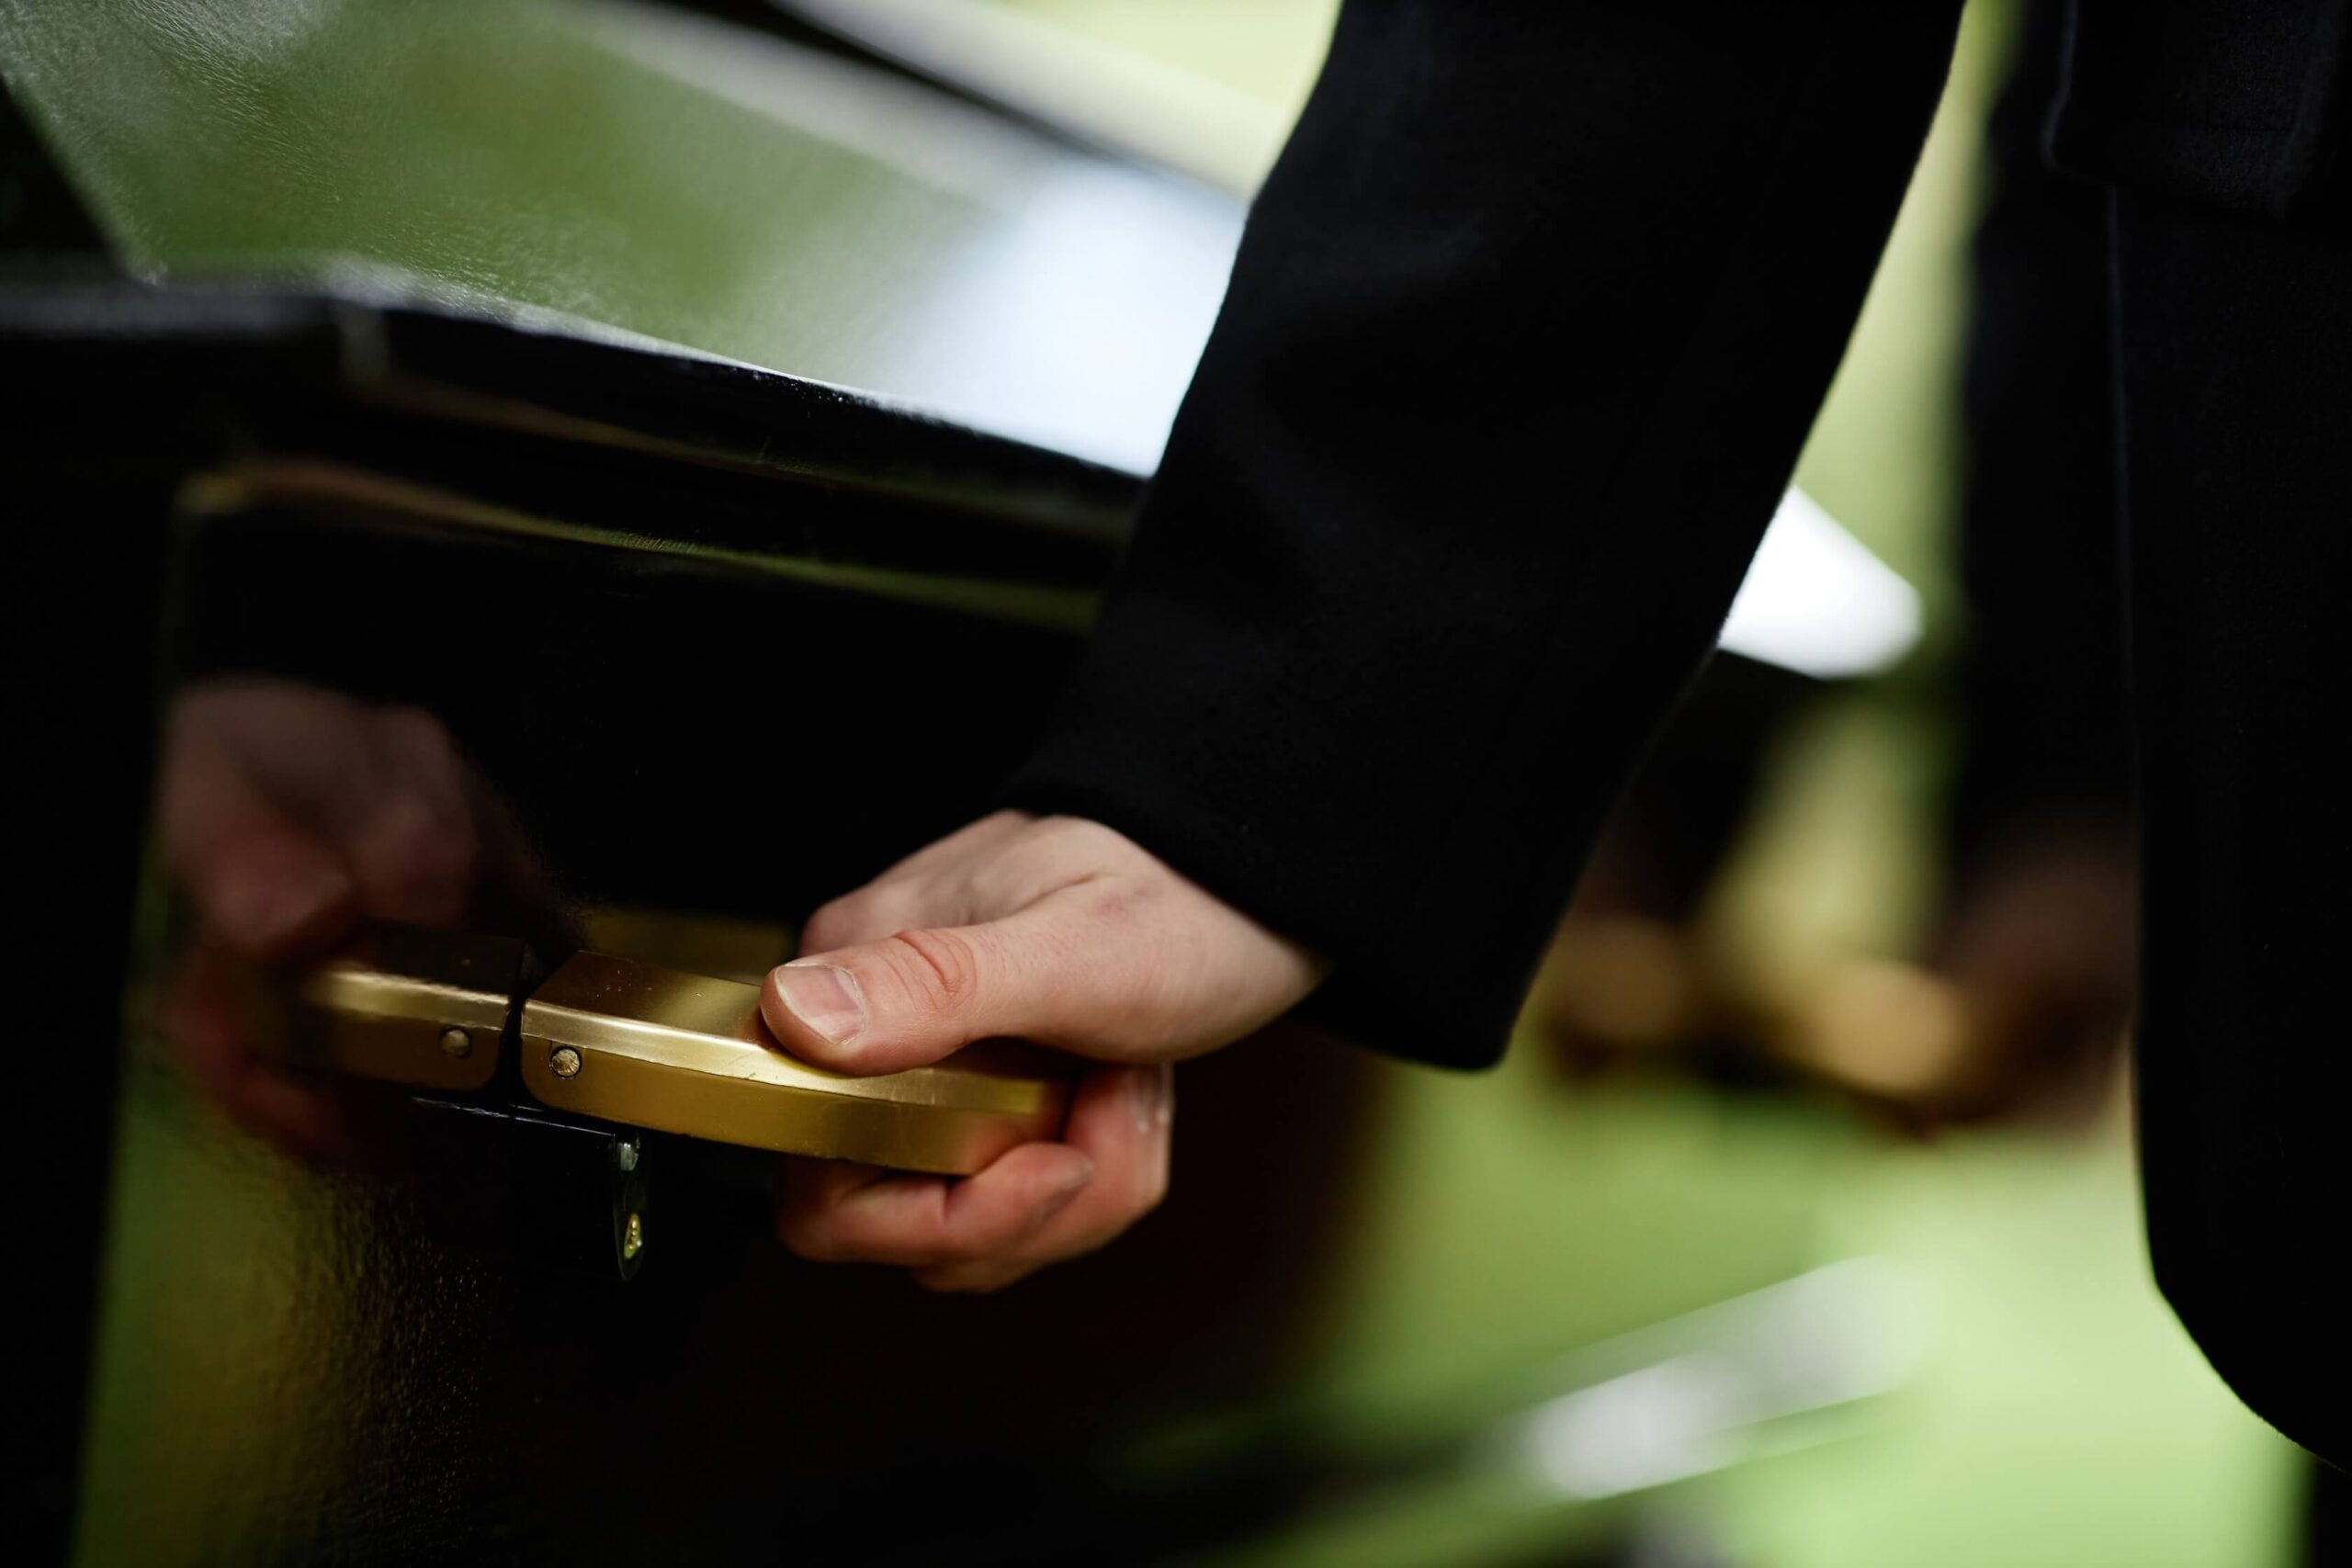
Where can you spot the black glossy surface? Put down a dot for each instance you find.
(416, 1365)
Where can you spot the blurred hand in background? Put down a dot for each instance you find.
(287, 814)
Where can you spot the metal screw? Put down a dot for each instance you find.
(625, 1153)
(566, 1062)
(632, 1237)
(456, 1045)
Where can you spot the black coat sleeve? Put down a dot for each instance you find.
(1524, 335)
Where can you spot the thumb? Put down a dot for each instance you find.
(907, 1000)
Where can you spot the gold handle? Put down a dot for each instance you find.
(408, 1005)
(682, 1052)
(636, 1043)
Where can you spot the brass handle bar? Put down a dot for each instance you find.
(682, 1053)
(636, 1043)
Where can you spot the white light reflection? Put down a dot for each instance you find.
(1076, 323)
(1824, 1339)
(1818, 602)
(1065, 296)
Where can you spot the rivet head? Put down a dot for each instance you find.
(456, 1045)
(566, 1062)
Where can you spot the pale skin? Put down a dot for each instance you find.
(1054, 929)
(288, 813)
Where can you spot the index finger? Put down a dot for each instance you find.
(1124, 1120)
(832, 1212)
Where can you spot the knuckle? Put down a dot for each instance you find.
(941, 965)
(1115, 899)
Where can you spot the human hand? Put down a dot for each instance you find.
(287, 814)
(1056, 930)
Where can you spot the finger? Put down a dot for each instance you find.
(998, 865)
(406, 825)
(286, 813)
(315, 1119)
(871, 913)
(930, 888)
(264, 886)
(1124, 1121)
(909, 1000)
(1081, 970)
(965, 843)
(208, 1023)
(205, 1027)
(833, 1213)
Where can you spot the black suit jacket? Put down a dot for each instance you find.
(1526, 331)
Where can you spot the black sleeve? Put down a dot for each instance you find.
(1525, 332)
